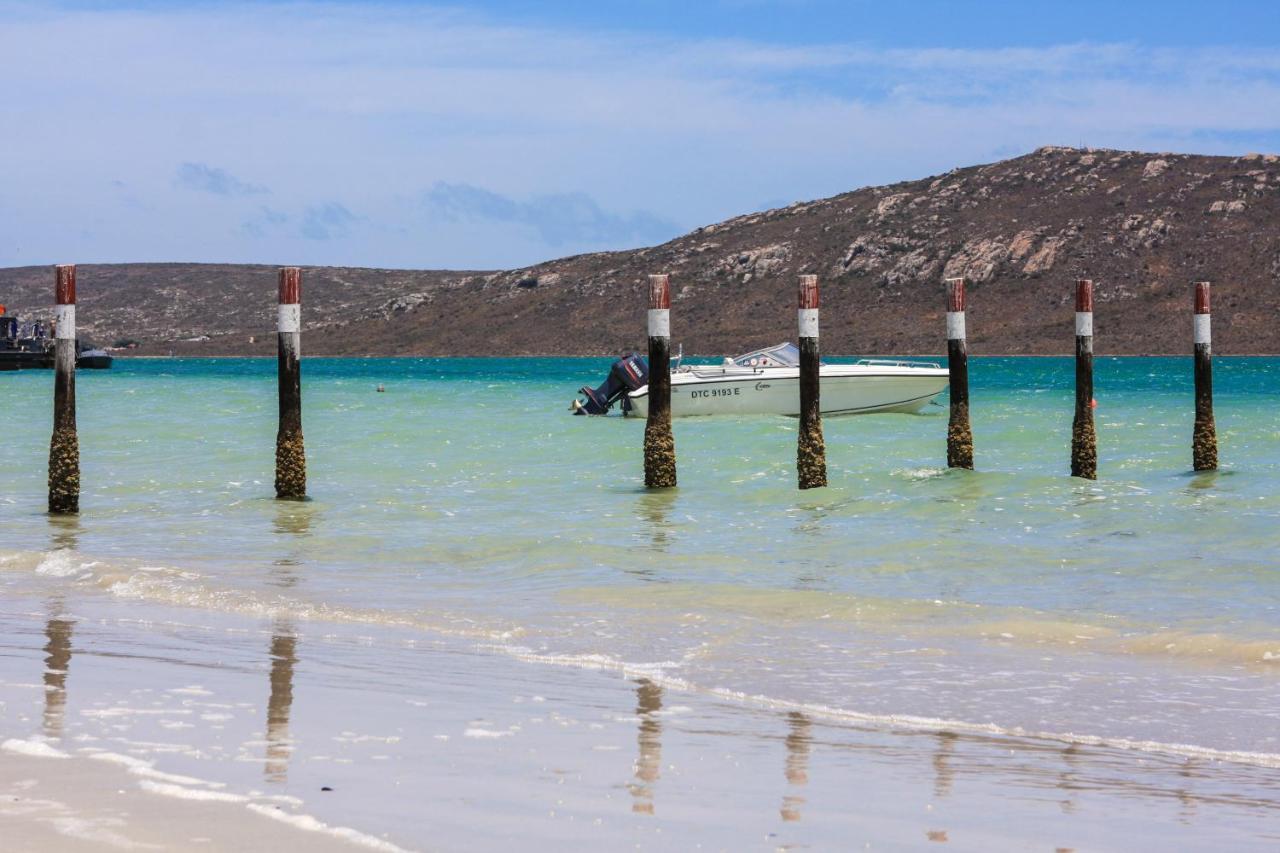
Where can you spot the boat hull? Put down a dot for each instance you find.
(844, 389)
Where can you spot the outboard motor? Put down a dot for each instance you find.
(627, 374)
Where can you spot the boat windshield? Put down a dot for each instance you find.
(782, 355)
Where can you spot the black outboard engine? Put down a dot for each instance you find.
(627, 374)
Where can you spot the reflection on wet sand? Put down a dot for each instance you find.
(799, 741)
(64, 535)
(292, 518)
(57, 650)
(943, 773)
(649, 760)
(1189, 771)
(280, 703)
(1067, 781)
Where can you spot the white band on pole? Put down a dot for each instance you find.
(1202, 328)
(64, 318)
(659, 322)
(289, 318)
(1084, 324)
(955, 325)
(808, 322)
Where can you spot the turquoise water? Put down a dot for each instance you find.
(465, 502)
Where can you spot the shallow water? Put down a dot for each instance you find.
(1142, 610)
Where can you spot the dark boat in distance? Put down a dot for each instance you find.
(31, 345)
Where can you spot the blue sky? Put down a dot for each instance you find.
(500, 133)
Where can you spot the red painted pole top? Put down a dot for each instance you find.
(290, 285)
(65, 290)
(659, 291)
(808, 291)
(1084, 295)
(955, 294)
(1202, 297)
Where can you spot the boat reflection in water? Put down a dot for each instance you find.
(767, 382)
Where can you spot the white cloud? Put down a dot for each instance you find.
(355, 107)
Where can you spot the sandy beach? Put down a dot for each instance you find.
(155, 733)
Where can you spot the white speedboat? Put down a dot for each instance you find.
(767, 382)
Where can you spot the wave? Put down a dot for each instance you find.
(189, 589)
(655, 674)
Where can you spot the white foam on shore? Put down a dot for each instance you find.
(179, 792)
(175, 587)
(310, 824)
(61, 564)
(146, 769)
(485, 733)
(33, 748)
(899, 722)
(122, 711)
(98, 832)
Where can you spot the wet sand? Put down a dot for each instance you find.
(238, 734)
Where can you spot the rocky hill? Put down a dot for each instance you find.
(1143, 226)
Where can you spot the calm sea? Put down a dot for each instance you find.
(465, 502)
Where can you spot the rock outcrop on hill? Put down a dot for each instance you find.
(1143, 226)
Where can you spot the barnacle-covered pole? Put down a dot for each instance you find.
(291, 457)
(811, 450)
(64, 446)
(1084, 440)
(659, 443)
(959, 436)
(1204, 437)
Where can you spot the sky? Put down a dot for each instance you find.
(499, 133)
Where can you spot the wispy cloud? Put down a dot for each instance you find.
(210, 179)
(327, 221)
(336, 101)
(559, 218)
(264, 220)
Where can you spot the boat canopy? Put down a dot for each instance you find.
(782, 355)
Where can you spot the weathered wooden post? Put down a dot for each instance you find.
(811, 449)
(659, 443)
(959, 436)
(64, 446)
(291, 458)
(1084, 441)
(1204, 438)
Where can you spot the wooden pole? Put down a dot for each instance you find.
(64, 446)
(811, 449)
(1204, 438)
(959, 436)
(291, 457)
(659, 443)
(1084, 440)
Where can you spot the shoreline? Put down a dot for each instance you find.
(491, 749)
(1101, 356)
